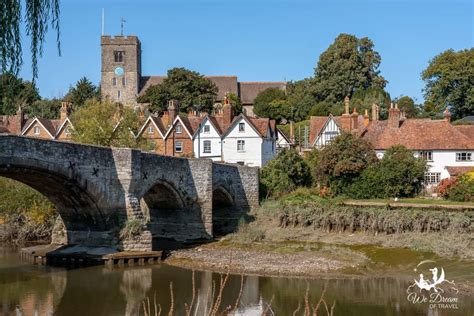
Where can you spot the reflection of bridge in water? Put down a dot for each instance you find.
(97, 189)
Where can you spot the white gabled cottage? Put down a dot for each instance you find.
(207, 139)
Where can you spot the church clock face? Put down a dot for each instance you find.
(119, 71)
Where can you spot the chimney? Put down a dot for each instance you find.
(227, 112)
(354, 119)
(346, 117)
(447, 115)
(394, 116)
(64, 111)
(172, 110)
(20, 119)
(375, 112)
(292, 132)
(366, 118)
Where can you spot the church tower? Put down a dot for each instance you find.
(121, 68)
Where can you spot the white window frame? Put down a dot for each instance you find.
(178, 144)
(432, 178)
(206, 147)
(467, 156)
(207, 129)
(241, 146)
(150, 129)
(36, 130)
(178, 129)
(426, 155)
(241, 127)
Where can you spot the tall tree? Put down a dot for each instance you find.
(364, 98)
(449, 80)
(407, 104)
(44, 108)
(300, 98)
(15, 92)
(83, 90)
(190, 88)
(272, 103)
(349, 64)
(37, 15)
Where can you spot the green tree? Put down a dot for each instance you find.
(284, 173)
(340, 163)
(37, 15)
(397, 174)
(267, 103)
(236, 103)
(105, 124)
(449, 80)
(15, 92)
(348, 65)
(325, 108)
(408, 105)
(44, 108)
(190, 88)
(83, 90)
(364, 99)
(300, 99)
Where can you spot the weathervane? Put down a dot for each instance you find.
(121, 26)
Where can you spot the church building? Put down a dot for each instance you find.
(122, 79)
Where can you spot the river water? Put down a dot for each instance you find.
(27, 289)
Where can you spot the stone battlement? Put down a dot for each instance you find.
(119, 40)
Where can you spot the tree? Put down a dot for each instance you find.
(37, 15)
(284, 173)
(83, 90)
(341, 162)
(300, 99)
(263, 106)
(190, 88)
(105, 124)
(325, 108)
(44, 108)
(15, 92)
(397, 174)
(236, 103)
(364, 99)
(407, 105)
(449, 80)
(348, 65)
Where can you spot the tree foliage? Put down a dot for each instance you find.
(449, 80)
(348, 65)
(37, 15)
(105, 124)
(45, 108)
(397, 174)
(190, 88)
(407, 104)
(340, 163)
(83, 90)
(15, 92)
(268, 103)
(363, 99)
(300, 99)
(236, 103)
(284, 173)
(459, 188)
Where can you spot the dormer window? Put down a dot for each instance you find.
(119, 56)
(178, 129)
(150, 129)
(207, 128)
(241, 127)
(36, 130)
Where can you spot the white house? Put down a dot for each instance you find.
(282, 140)
(207, 139)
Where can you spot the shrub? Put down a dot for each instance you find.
(397, 174)
(461, 189)
(285, 173)
(131, 228)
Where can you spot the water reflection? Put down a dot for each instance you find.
(36, 290)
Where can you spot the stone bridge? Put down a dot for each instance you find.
(99, 190)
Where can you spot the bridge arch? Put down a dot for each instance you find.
(223, 211)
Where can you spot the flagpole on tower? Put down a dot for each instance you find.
(103, 21)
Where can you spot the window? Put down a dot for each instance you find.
(463, 156)
(119, 56)
(178, 146)
(432, 177)
(426, 155)
(207, 128)
(123, 81)
(241, 127)
(178, 129)
(241, 145)
(36, 130)
(150, 129)
(119, 94)
(329, 136)
(114, 81)
(207, 147)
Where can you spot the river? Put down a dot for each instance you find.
(27, 289)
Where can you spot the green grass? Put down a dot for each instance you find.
(415, 201)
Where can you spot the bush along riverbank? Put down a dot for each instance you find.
(25, 214)
(303, 216)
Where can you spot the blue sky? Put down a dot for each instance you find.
(255, 40)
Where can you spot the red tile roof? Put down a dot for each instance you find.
(467, 130)
(316, 124)
(454, 171)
